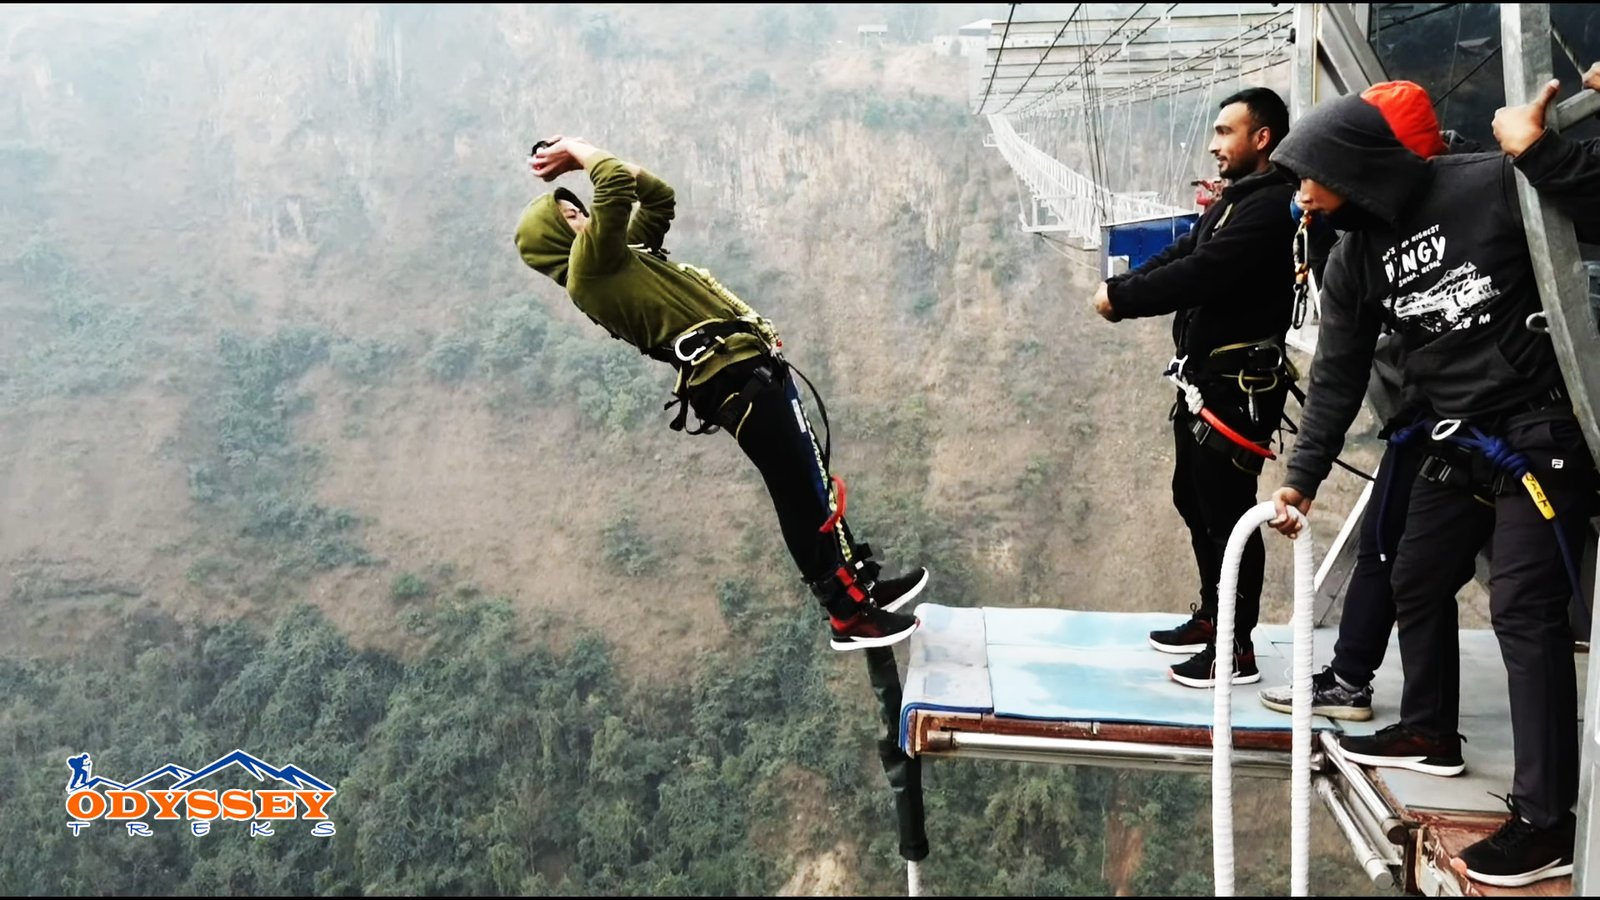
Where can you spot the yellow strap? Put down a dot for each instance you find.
(1536, 491)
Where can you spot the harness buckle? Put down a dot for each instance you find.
(1435, 469)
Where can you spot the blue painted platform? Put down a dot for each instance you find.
(1098, 667)
(1070, 665)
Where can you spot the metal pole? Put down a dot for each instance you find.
(1303, 86)
(1557, 265)
(1563, 288)
(1573, 110)
(1352, 64)
(1585, 855)
(903, 772)
(1116, 754)
(1391, 825)
(1373, 862)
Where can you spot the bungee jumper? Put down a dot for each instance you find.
(730, 370)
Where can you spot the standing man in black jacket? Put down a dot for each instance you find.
(1230, 285)
(1436, 249)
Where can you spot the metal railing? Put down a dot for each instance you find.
(1078, 205)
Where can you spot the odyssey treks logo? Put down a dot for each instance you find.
(145, 801)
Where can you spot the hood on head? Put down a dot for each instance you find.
(1347, 145)
(544, 236)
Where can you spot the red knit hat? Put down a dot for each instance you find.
(1409, 112)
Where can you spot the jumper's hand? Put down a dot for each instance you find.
(554, 158)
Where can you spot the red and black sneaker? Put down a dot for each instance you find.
(889, 594)
(1401, 748)
(1192, 636)
(871, 627)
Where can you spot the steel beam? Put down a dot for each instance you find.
(1558, 268)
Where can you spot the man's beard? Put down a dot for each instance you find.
(1238, 170)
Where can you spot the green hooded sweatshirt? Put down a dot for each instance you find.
(610, 273)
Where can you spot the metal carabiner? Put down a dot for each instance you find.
(677, 348)
(1278, 366)
(1538, 323)
(1445, 429)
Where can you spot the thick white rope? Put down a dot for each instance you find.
(1222, 709)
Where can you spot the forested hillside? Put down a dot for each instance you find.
(296, 456)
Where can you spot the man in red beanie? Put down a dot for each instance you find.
(1435, 250)
(1343, 689)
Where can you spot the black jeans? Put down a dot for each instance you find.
(1211, 492)
(778, 438)
(1369, 599)
(1529, 593)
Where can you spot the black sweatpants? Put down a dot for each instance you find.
(778, 438)
(1529, 592)
(1211, 492)
(1368, 613)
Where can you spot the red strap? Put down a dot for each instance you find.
(1234, 436)
(849, 582)
(833, 520)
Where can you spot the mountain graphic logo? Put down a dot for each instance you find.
(183, 778)
(210, 793)
(293, 776)
(1458, 295)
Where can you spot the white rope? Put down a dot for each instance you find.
(1222, 709)
(1191, 394)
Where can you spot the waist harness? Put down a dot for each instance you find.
(1254, 367)
(701, 343)
(1461, 455)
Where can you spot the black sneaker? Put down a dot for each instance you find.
(1192, 636)
(871, 627)
(1200, 670)
(889, 594)
(1399, 747)
(1520, 853)
(1328, 698)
